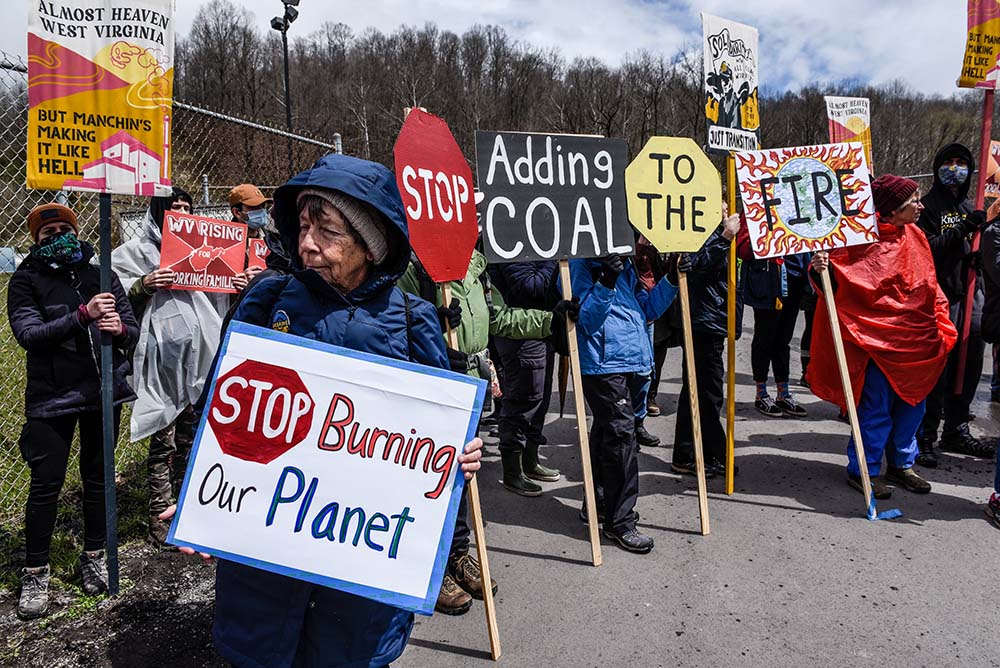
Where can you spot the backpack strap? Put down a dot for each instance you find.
(409, 339)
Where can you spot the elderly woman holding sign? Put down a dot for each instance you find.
(343, 224)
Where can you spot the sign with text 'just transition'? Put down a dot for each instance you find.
(329, 465)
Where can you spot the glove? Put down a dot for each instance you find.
(450, 315)
(611, 267)
(560, 336)
(679, 262)
(458, 361)
(974, 221)
(973, 260)
(567, 308)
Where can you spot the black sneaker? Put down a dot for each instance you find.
(643, 437)
(631, 540)
(94, 573)
(717, 468)
(790, 407)
(766, 406)
(963, 442)
(926, 456)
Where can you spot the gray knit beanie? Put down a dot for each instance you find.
(363, 217)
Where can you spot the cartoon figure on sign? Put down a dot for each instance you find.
(725, 97)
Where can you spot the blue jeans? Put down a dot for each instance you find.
(888, 426)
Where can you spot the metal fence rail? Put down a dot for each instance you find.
(211, 153)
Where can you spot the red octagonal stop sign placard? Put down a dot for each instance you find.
(260, 411)
(436, 184)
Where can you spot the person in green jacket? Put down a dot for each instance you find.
(477, 311)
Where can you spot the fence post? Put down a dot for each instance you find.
(338, 146)
(204, 190)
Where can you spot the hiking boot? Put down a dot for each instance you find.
(156, 534)
(766, 406)
(513, 475)
(652, 410)
(908, 479)
(34, 601)
(926, 456)
(631, 540)
(963, 442)
(880, 489)
(790, 407)
(688, 467)
(467, 574)
(993, 509)
(643, 437)
(94, 573)
(452, 599)
(583, 514)
(717, 468)
(533, 468)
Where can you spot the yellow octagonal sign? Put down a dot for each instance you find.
(674, 194)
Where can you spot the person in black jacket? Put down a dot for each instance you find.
(948, 221)
(707, 277)
(57, 314)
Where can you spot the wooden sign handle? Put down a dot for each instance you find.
(699, 457)
(476, 512)
(581, 421)
(845, 379)
(731, 339)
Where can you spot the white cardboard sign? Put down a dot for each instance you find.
(329, 465)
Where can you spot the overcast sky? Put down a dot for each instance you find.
(801, 41)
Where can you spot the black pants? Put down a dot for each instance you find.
(613, 453)
(943, 397)
(527, 390)
(709, 373)
(460, 539)
(772, 333)
(660, 349)
(45, 445)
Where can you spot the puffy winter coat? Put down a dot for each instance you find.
(265, 620)
(64, 355)
(612, 328)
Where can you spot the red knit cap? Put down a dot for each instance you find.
(890, 192)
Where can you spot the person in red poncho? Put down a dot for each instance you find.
(897, 334)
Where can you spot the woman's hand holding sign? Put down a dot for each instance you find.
(470, 459)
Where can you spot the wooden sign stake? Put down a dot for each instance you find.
(699, 457)
(581, 421)
(475, 510)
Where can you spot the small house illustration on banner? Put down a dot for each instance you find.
(125, 165)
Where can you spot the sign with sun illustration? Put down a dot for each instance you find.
(807, 198)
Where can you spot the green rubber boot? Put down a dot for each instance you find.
(513, 475)
(533, 468)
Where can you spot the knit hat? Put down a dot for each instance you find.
(44, 214)
(364, 218)
(890, 192)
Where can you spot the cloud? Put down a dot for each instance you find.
(801, 42)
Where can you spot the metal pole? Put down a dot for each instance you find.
(107, 408)
(288, 97)
(338, 144)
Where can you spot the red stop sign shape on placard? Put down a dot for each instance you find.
(260, 411)
(435, 181)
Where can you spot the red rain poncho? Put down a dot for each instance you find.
(892, 312)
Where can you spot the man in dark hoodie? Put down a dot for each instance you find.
(948, 221)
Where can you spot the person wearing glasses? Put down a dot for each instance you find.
(896, 331)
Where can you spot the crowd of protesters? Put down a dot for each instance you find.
(338, 240)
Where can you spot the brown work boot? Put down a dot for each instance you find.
(452, 599)
(156, 535)
(465, 569)
(908, 479)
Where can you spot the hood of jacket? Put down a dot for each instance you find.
(367, 181)
(158, 207)
(954, 150)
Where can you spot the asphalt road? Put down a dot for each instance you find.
(792, 574)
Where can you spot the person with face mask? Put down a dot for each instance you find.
(948, 222)
(57, 313)
(249, 206)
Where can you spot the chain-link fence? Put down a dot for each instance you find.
(211, 153)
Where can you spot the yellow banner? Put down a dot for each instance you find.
(100, 89)
(982, 47)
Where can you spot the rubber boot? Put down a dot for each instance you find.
(513, 475)
(534, 469)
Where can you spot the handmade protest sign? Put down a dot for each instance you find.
(329, 465)
(982, 46)
(436, 186)
(552, 197)
(674, 194)
(205, 254)
(807, 198)
(730, 55)
(257, 252)
(849, 120)
(100, 88)
(991, 189)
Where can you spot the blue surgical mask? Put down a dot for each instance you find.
(257, 219)
(953, 175)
